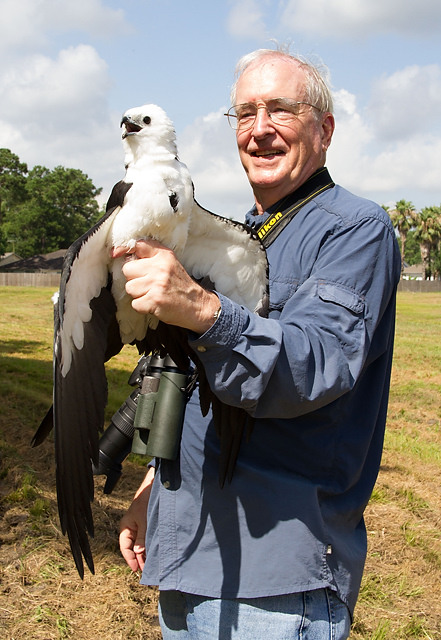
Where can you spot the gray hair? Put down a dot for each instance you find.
(317, 85)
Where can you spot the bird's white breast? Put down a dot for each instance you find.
(147, 211)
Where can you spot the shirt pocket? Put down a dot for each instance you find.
(345, 311)
(341, 295)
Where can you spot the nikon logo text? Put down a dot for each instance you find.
(268, 225)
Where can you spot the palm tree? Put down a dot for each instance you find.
(428, 234)
(402, 217)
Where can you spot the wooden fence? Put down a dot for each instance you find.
(30, 280)
(420, 286)
(53, 280)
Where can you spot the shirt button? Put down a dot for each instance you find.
(166, 484)
(202, 349)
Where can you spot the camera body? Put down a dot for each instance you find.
(150, 420)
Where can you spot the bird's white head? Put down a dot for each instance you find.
(147, 132)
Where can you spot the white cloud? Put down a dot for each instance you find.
(54, 111)
(406, 102)
(54, 108)
(25, 24)
(377, 169)
(57, 90)
(355, 18)
(351, 137)
(246, 19)
(91, 16)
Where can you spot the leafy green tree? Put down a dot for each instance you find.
(412, 254)
(402, 218)
(428, 234)
(12, 179)
(61, 205)
(12, 187)
(3, 241)
(436, 262)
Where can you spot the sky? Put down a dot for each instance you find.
(71, 68)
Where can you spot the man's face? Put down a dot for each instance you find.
(279, 158)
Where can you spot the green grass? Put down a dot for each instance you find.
(399, 595)
(26, 337)
(418, 347)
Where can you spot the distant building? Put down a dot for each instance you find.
(9, 258)
(42, 263)
(413, 272)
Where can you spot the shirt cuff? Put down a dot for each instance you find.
(225, 331)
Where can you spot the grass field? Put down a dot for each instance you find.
(42, 597)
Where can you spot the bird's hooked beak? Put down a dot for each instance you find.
(130, 127)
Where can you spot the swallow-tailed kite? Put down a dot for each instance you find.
(94, 316)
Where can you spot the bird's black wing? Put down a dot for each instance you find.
(117, 195)
(85, 336)
(80, 398)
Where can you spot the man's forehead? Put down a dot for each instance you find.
(271, 77)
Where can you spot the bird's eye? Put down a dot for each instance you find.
(147, 120)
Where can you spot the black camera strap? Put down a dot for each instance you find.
(285, 210)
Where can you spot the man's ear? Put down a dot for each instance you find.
(328, 126)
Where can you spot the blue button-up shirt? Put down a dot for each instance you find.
(315, 376)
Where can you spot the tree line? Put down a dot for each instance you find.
(420, 236)
(43, 210)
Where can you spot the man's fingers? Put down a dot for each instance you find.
(118, 252)
(142, 249)
(139, 551)
(148, 248)
(134, 524)
(132, 548)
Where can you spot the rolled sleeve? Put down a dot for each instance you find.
(224, 333)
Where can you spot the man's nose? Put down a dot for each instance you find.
(263, 123)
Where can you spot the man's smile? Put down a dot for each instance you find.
(267, 153)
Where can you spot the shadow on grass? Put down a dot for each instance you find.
(21, 346)
(28, 508)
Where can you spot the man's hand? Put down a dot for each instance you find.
(159, 285)
(134, 525)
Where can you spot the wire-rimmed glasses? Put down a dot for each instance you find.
(281, 111)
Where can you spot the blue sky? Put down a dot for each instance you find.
(71, 68)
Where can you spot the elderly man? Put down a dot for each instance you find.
(279, 552)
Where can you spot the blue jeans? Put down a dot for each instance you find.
(313, 615)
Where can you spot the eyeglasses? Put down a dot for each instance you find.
(281, 111)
